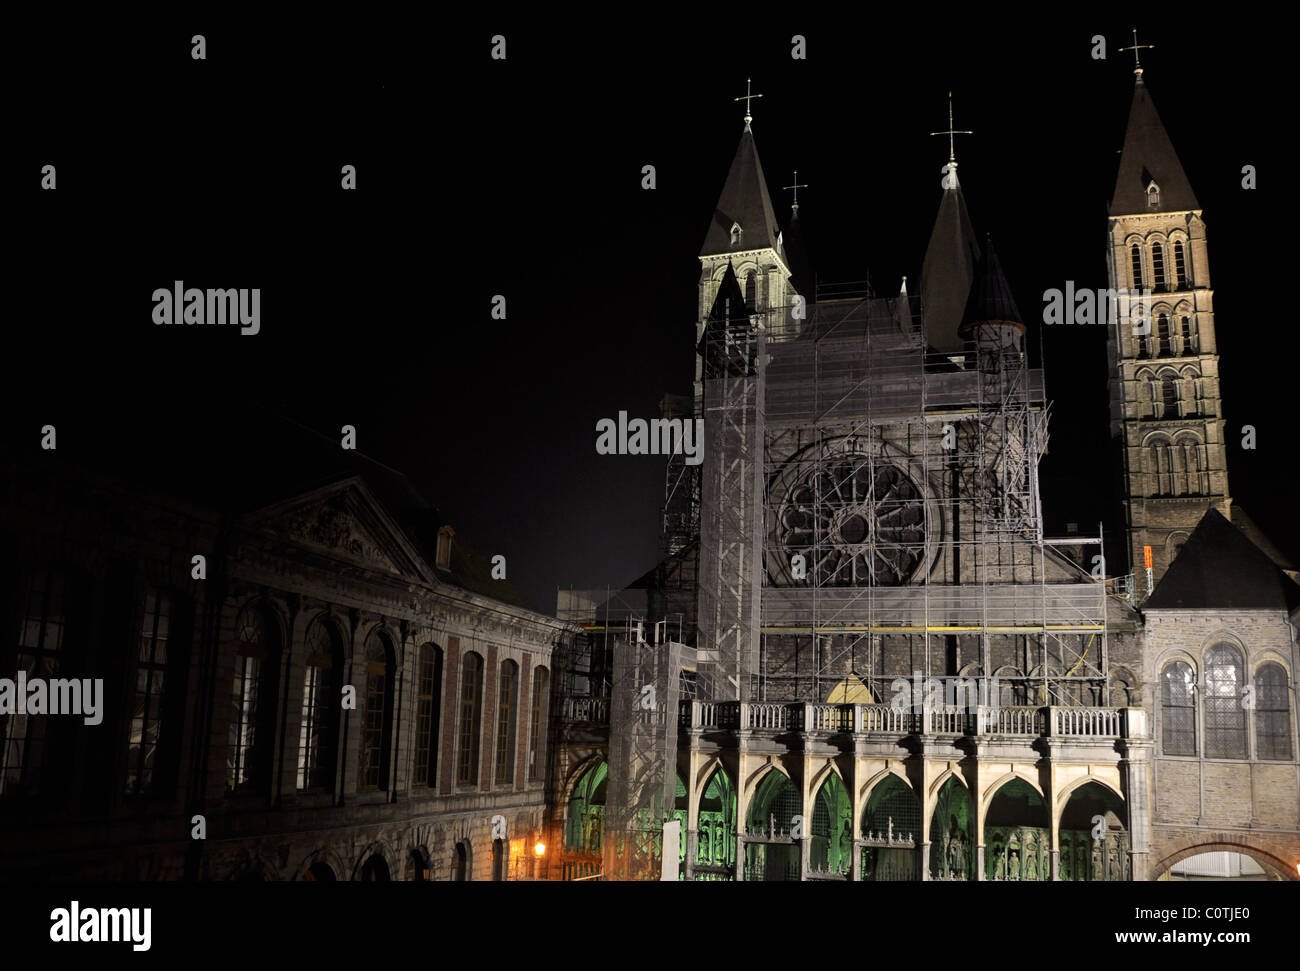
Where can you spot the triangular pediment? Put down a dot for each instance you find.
(344, 520)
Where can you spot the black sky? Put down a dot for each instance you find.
(522, 178)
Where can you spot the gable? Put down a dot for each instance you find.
(344, 521)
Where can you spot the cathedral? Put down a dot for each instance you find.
(862, 658)
(878, 666)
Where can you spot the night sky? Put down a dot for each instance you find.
(522, 178)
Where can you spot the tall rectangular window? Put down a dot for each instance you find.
(507, 701)
(427, 710)
(471, 695)
(536, 720)
(40, 639)
(150, 682)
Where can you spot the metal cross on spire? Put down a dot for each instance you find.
(952, 154)
(794, 205)
(747, 99)
(1137, 50)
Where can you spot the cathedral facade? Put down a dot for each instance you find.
(896, 675)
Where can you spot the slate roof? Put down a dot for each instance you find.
(1219, 567)
(744, 200)
(991, 300)
(1149, 154)
(949, 268)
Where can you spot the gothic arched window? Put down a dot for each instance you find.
(1153, 196)
(1164, 337)
(428, 709)
(507, 710)
(1169, 396)
(1272, 714)
(319, 728)
(1225, 717)
(751, 290)
(1158, 466)
(251, 736)
(1158, 266)
(1189, 340)
(1135, 258)
(1180, 265)
(471, 702)
(1178, 709)
(376, 721)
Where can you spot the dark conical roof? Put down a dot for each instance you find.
(991, 300)
(744, 200)
(1220, 567)
(948, 270)
(1148, 156)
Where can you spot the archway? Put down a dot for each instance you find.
(952, 834)
(1093, 835)
(773, 856)
(499, 860)
(893, 815)
(319, 872)
(461, 863)
(584, 824)
(715, 846)
(831, 850)
(1017, 835)
(375, 868)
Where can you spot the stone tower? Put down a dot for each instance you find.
(1166, 411)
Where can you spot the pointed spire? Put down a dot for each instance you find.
(950, 259)
(990, 300)
(1150, 178)
(744, 218)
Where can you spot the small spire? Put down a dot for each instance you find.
(794, 204)
(952, 150)
(1137, 50)
(747, 99)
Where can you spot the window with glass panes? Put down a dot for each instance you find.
(471, 697)
(428, 698)
(507, 703)
(147, 700)
(318, 729)
(40, 639)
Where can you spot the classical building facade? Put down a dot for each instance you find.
(324, 686)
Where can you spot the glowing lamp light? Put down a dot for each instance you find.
(540, 848)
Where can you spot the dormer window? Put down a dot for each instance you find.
(444, 547)
(736, 234)
(1153, 196)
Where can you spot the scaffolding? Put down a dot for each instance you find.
(870, 509)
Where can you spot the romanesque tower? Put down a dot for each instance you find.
(1166, 411)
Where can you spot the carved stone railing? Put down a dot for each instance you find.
(1024, 721)
(582, 709)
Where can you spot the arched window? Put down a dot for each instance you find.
(1189, 339)
(40, 641)
(751, 290)
(1164, 337)
(1169, 396)
(1178, 709)
(1225, 718)
(1272, 714)
(736, 234)
(1180, 265)
(376, 720)
(319, 728)
(1144, 345)
(507, 711)
(428, 711)
(537, 720)
(251, 736)
(150, 684)
(1135, 262)
(1160, 467)
(1158, 266)
(1153, 196)
(461, 868)
(471, 702)
(1195, 478)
